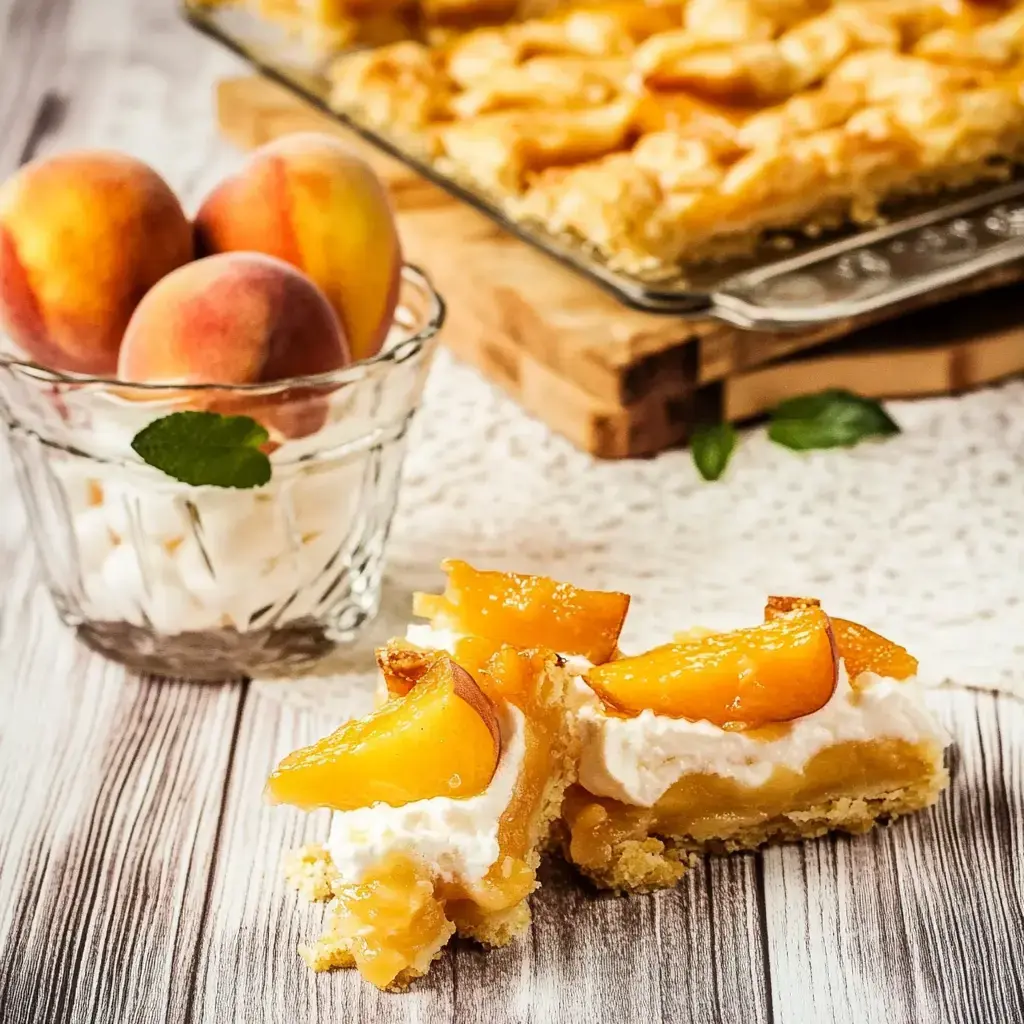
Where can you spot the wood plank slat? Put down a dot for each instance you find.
(921, 922)
(110, 794)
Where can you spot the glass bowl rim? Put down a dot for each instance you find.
(353, 373)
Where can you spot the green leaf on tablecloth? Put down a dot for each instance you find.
(830, 419)
(206, 449)
(712, 447)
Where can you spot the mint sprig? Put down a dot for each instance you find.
(206, 449)
(830, 419)
(712, 447)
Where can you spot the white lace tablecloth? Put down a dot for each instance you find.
(918, 536)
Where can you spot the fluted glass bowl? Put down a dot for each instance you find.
(210, 582)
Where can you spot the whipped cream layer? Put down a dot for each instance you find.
(431, 638)
(437, 638)
(636, 760)
(457, 839)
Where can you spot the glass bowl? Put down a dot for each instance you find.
(211, 582)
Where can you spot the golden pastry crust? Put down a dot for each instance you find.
(674, 132)
(656, 862)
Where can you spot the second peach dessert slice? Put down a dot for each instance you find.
(773, 672)
(441, 739)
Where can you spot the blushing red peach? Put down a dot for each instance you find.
(308, 200)
(83, 237)
(861, 649)
(239, 318)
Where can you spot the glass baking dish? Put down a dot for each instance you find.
(925, 245)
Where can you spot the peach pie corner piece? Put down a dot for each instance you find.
(443, 799)
(510, 721)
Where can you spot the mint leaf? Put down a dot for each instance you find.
(712, 447)
(829, 419)
(205, 448)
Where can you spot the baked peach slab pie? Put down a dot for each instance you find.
(511, 721)
(667, 132)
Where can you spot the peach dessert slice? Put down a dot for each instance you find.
(782, 731)
(442, 800)
(523, 611)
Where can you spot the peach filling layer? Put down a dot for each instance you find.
(525, 611)
(391, 923)
(399, 914)
(709, 809)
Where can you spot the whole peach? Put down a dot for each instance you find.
(310, 201)
(83, 237)
(236, 318)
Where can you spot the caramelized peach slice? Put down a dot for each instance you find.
(774, 672)
(861, 649)
(441, 739)
(527, 611)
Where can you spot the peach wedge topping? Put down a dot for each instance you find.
(774, 672)
(861, 649)
(440, 739)
(525, 612)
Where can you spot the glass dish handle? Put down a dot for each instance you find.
(881, 268)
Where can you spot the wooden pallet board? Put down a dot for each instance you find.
(615, 381)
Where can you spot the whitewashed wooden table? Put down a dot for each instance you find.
(139, 867)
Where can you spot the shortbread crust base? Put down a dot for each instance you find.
(657, 862)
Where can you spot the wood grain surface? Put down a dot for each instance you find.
(139, 867)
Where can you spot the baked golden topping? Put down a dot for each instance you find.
(675, 131)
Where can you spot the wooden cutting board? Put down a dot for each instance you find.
(622, 383)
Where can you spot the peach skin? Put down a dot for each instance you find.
(83, 237)
(309, 201)
(239, 318)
